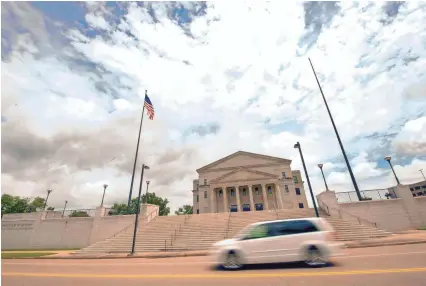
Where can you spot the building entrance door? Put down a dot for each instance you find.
(259, 207)
(246, 208)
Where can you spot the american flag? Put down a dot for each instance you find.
(149, 107)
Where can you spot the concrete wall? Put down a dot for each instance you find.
(35, 231)
(402, 213)
(421, 202)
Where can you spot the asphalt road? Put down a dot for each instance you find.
(387, 266)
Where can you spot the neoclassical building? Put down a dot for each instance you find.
(246, 181)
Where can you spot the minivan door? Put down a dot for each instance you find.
(291, 236)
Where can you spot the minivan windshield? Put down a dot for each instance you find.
(244, 232)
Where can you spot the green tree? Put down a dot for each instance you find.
(13, 204)
(159, 201)
(121, 209)
(79, 214)
(184, 210)
(37, 203)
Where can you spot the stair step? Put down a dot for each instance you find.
(199, 232)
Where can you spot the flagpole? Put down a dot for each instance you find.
(136, 155)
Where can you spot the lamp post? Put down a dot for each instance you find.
(66, 202)
(421, 171)
(358, 193)
(325, 182)
(146, 194)
(297, 146)
(138, 208)
(47, 197)
(103, 196)
(388, 158)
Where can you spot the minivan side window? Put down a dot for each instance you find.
(300, 226)
(291, 227)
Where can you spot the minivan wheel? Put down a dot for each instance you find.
(232, 262)
(315, 258)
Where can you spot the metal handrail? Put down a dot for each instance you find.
(227, 226)
(276, 211)
(354, 216)
(132, 224)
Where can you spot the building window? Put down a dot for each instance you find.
(232, 193)
(256, 191)
(269, 190)
(198, 211)
(286, 188)
(198, 198)
(205, 182)
(295, 180)
(283, 174)
(244, 192)
(205, 194)
(220, 193)
(301, 206)
(297, 191)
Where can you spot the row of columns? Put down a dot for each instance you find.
(250, 191)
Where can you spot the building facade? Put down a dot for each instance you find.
(246, 181)
(418, 189)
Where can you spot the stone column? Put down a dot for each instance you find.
(265, 197)
(237, 191)
(280, 198)
(225, 200)
(252, 208)
(212, 198)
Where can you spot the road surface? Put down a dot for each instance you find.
(379, 266)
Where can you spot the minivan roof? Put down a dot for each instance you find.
(290, 219)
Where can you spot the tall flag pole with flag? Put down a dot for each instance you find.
(150, 111)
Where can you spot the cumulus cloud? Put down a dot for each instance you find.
(222, 77)
(412, 138)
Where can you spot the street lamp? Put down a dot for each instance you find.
(138, 208)
(47, 197)
(66, 202)
(325, 182)
(388, 158)
(297, 146)
(103, 196)
(338, 138)
(146, 195)
(421, 171)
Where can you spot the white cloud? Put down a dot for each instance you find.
(412, 138)
(245, 69)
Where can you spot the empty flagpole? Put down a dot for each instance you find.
(136, 155)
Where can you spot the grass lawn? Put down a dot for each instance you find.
(422, 228)
(12, 255)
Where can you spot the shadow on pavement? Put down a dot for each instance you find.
(270, 266)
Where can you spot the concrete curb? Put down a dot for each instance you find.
(372, 244)
(202, 253)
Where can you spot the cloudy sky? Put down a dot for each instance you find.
(222, 77)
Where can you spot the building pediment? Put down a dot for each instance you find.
(242, 174)
(242, 158)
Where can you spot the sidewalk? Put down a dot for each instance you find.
(411, 237)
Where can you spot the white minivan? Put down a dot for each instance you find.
(311, 240)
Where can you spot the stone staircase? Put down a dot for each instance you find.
(199, 232)
(154, 236)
